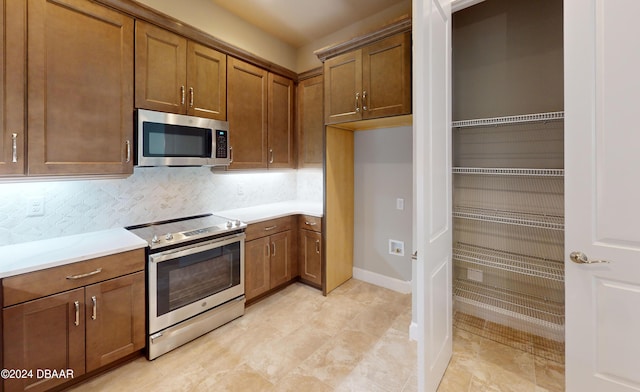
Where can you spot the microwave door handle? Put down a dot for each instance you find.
(230, 154)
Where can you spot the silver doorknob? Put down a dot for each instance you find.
(581, 258)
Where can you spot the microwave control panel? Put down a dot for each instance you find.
(222, 138)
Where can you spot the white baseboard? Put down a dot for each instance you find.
(401, 286)
(413, 331)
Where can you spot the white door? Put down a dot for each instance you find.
(432, 165)
(602, 194)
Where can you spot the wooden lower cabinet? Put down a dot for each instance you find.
(310, 250)
(270, 256)
(46, 333)
(81, 330)
(256, 267)
(282, 261)
(310, 257)
(115, 325)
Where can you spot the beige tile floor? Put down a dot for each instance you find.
(355, 339)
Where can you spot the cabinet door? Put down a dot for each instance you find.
(310, 257)
(12, 77)
(207, 82)
(282, 248)
(247, 114)
(280, 116)
(46, 333)
(256, 267)
(161, 69)
(115, 325)
(343, 88)
(386, 77)
(80, 90)
(310, 122)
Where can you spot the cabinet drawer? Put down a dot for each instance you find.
(272, 226)
(309, 222)
(32, 285)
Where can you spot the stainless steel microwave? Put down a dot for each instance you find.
(167, 139)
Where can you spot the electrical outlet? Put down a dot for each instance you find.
(396, 248)
(35, 206)
(400, 204)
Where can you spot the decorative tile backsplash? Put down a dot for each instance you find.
(150, 194)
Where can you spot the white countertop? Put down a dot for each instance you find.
(36, 255)
(273, 210)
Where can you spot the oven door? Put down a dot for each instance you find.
(186, 281)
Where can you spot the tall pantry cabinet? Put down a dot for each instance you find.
(508, 185)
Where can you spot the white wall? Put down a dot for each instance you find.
(150, 194)
(383, 172)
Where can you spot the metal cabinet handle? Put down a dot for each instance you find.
(581, 258)
(268, 250)
(310, 223)
(274, 249)
(271, 155)
(182, 95)
(364, 100)
(270, 228)
(14, 147)
(318, 246)
(191, 96)
(128, 156)
(77, 305)
(85, 275)
(357, 102)
(94, 314)
(230, 154)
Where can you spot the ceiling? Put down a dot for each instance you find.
(299, 22)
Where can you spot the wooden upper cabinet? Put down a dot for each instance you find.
(386, 77)
(260, 114)
(176, 75)
(371, 82)
(247, 91)
(342, 87)
(207, 81)
(161, 69)
(80, 90)
(310, 122)
(280, 118)
(12, 77)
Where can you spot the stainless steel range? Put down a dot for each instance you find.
(195, 278)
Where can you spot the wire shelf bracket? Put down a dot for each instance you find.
(507, 120)
(510, 262)
(550, 222)
(509, 171)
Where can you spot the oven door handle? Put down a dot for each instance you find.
(195, 248)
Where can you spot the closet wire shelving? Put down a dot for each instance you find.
(532, 313)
